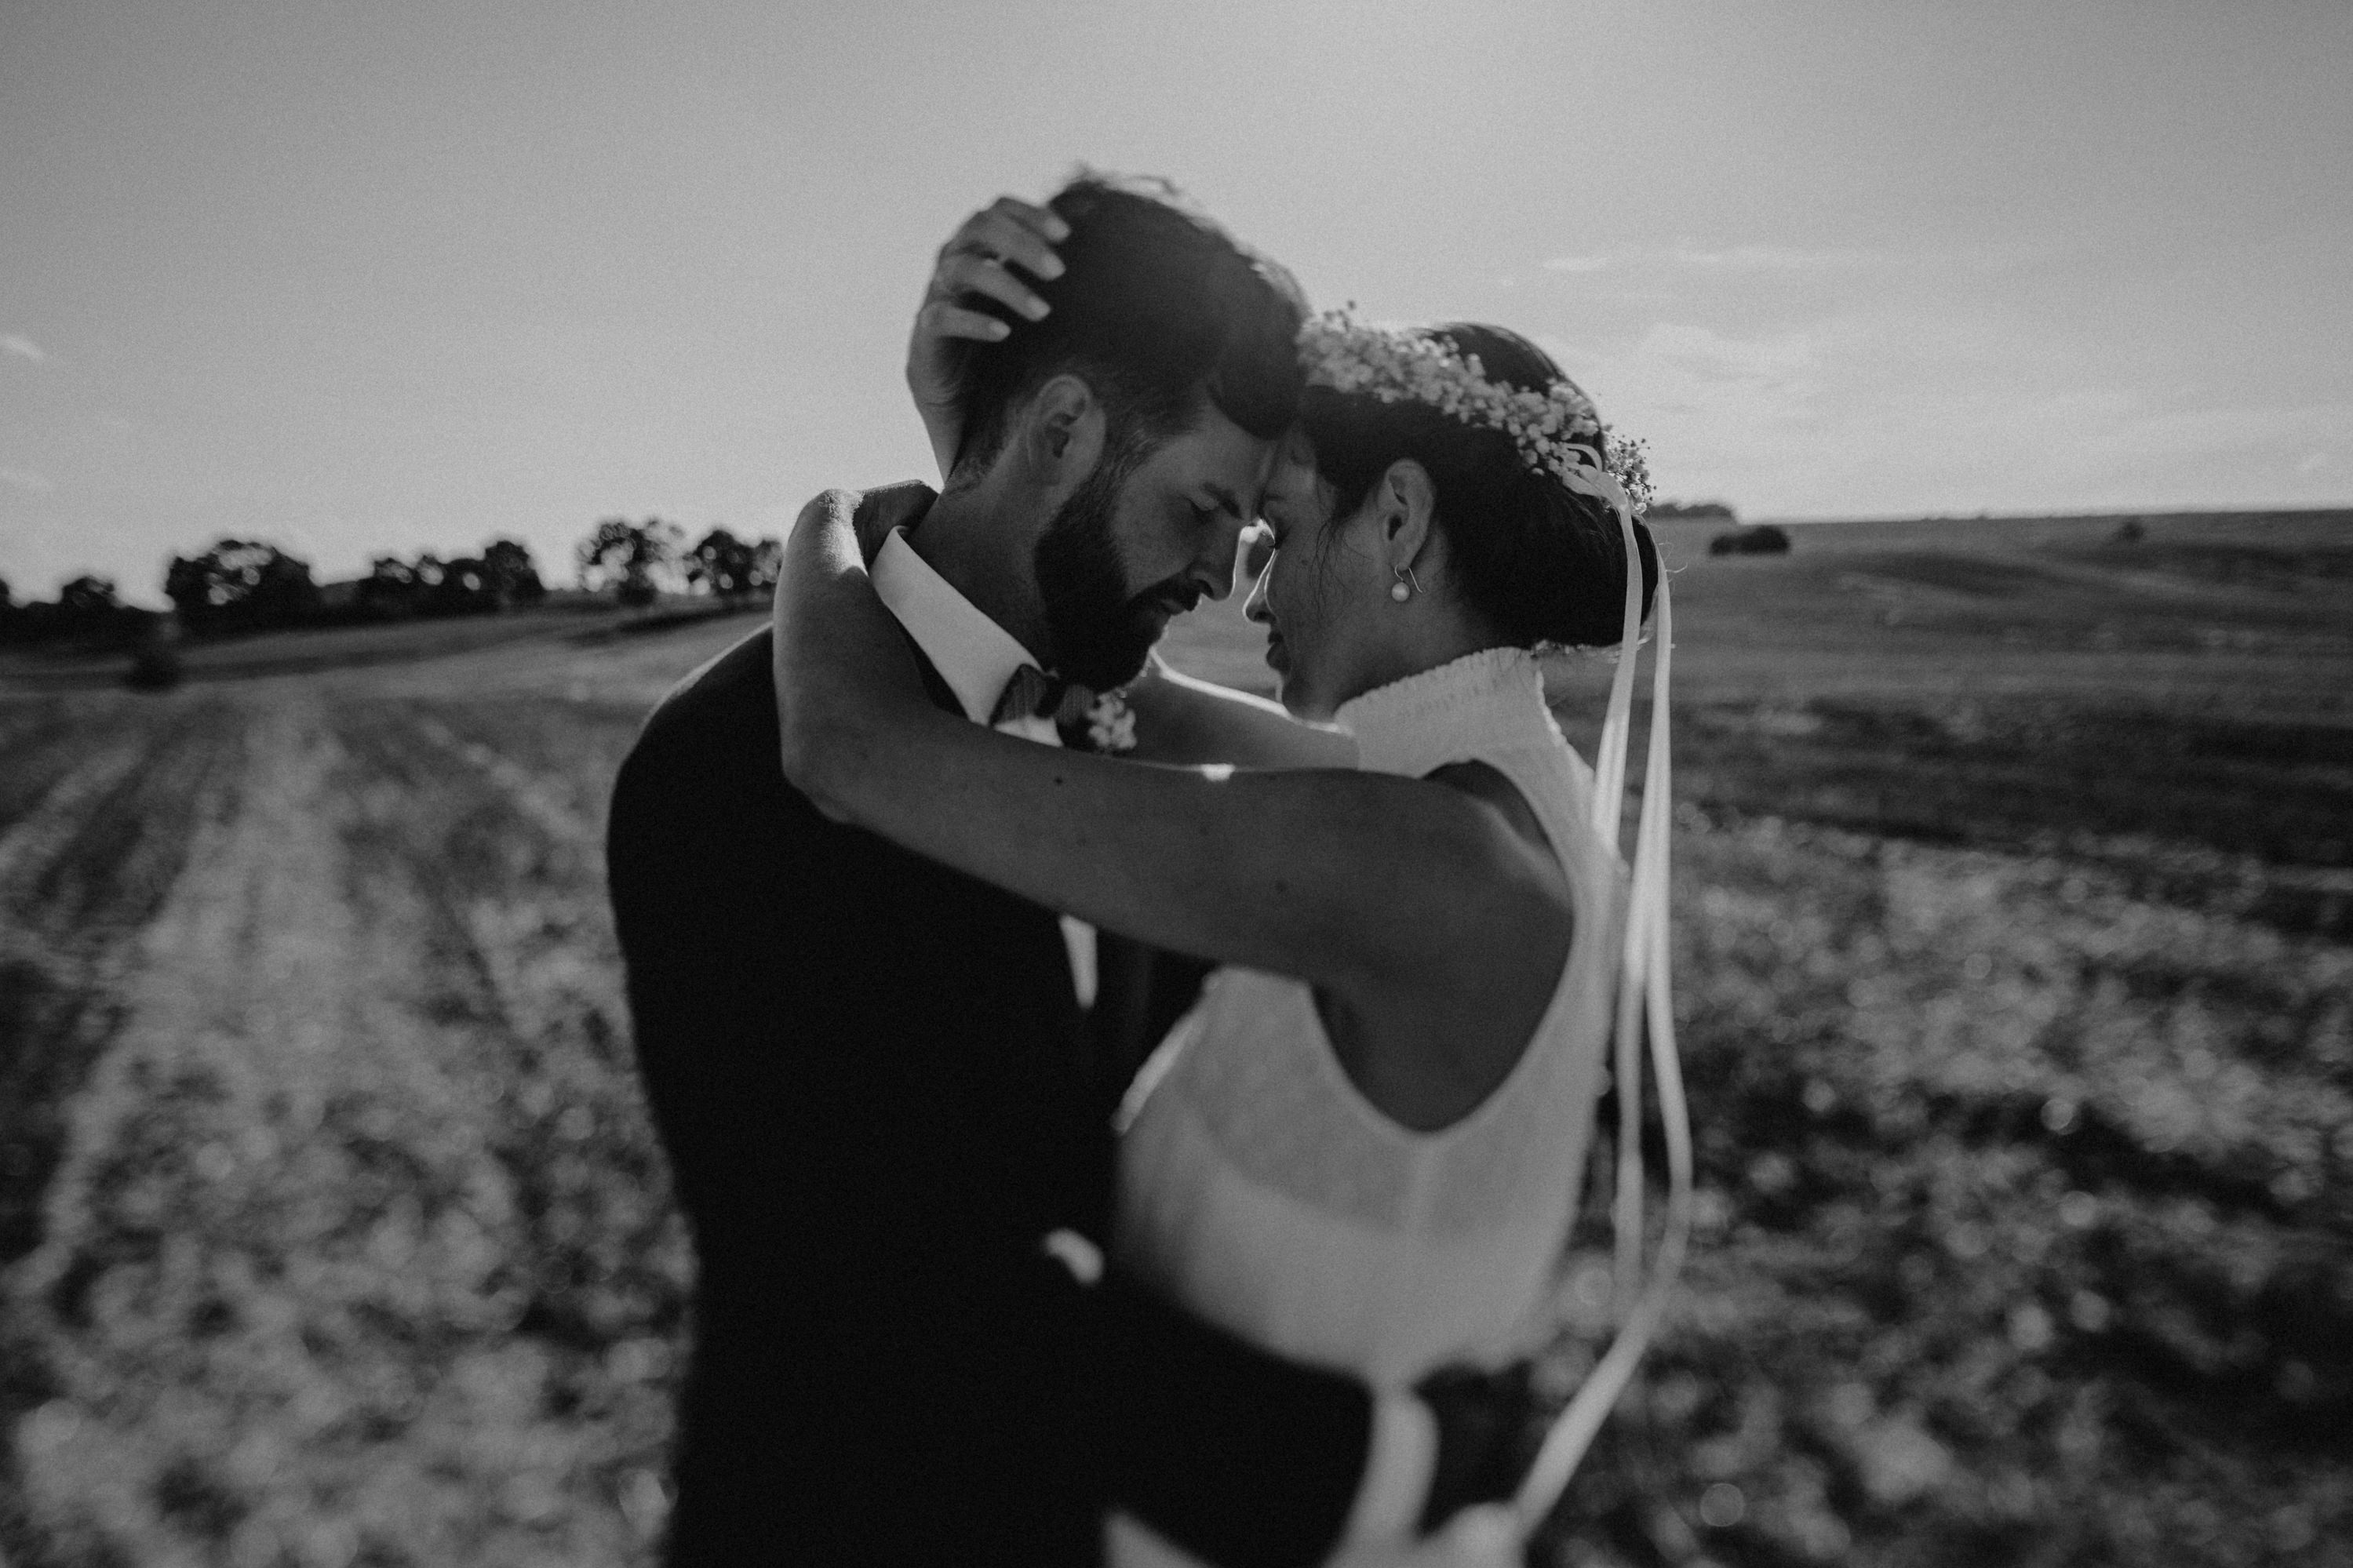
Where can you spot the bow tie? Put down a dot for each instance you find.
(1030, 694)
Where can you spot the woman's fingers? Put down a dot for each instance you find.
(884, 510)
(1016, 238)
(942, 319)
(1013, 230)
(1044, 220)
(968, 272)
(979, 257)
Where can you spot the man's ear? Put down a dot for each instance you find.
(1062, 432)
(1408, 499)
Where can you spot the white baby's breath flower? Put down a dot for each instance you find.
(1110, 724)
(1557, 430)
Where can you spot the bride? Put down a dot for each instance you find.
(1363, 1147)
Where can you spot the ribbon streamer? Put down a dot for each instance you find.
(1645, 1007)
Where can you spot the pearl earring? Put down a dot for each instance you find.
(1398, 590)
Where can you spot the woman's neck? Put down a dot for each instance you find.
(1439, 635)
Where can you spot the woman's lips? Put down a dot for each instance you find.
(1277, 656)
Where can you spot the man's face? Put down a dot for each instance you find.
(1149, 535)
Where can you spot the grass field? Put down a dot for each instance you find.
(2015, 930)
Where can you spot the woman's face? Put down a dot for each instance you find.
(1321, 589)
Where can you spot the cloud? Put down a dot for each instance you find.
(1732, 259)
(1771, 258)
(22, 347)
(26, 480)
(1727, 415)
(1880, 409)
(1772, 360)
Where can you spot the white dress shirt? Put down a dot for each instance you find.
(977, 657)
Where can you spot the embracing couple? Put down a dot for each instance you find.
(910, 882)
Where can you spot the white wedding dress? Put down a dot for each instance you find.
(1262, 1192)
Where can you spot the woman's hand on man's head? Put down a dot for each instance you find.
(975, 269)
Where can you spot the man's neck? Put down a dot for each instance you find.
(972, 541)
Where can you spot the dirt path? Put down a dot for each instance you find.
(292, 1249)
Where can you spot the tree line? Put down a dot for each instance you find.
(243, 585)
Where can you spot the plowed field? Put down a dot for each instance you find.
(2015, 927)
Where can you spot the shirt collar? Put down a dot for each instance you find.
(973, 654)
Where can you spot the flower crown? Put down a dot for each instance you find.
(1558, 431)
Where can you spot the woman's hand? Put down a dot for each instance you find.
(975, 270)
(839, 661)
(886, 508)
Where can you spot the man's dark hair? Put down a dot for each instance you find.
(1156, 308)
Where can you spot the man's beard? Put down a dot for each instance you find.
(1101, 632)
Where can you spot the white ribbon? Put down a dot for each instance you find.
(1644, 998)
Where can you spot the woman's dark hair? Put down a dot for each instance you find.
(1156, 308)
(1537, 561)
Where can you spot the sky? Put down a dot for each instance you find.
(359, 279)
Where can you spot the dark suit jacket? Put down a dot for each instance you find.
(868, 1073)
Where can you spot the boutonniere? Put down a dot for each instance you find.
(1111, 723)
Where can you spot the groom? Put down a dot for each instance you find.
(869, 1070)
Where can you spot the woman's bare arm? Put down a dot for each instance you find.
(1377, 886)
(1182, 719)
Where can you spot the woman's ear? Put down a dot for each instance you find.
(1408, 499)
(1062, 432)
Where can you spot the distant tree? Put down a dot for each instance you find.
(459, 587)
(630, 558)
(1690, 511)
(28, 622)
(513, 576)
(501, 575)
(722, 565)
(767, 561)
(1758, 539)
(390, 589)
(87, 609)
(240, 585)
